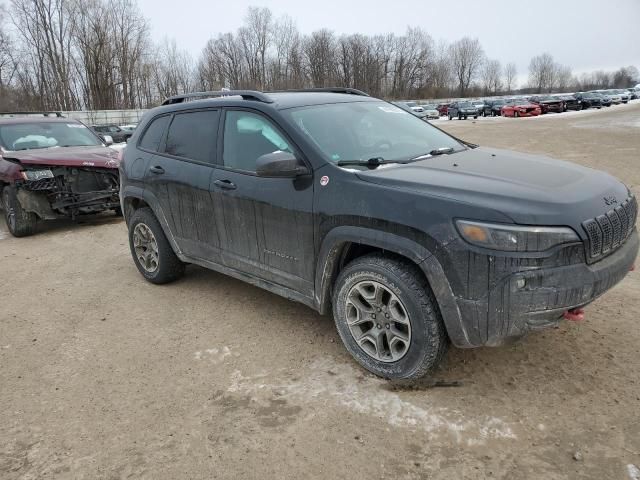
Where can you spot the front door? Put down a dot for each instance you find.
(267, 223)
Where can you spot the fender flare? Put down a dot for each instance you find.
(332, 249)
(131, 192)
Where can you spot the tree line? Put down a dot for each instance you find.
(98, 54)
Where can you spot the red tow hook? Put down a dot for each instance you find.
(574, 315)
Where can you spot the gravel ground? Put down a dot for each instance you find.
(104, 376)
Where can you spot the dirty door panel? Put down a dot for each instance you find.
(267, 222)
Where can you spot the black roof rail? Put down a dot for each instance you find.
(45, 114)
(346, 90)
(245, 94)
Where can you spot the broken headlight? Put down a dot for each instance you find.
(514, 238)
(33, 175)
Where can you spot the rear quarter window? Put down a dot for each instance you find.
(152, 136)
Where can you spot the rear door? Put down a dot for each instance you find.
(179, 176)
(267, 223)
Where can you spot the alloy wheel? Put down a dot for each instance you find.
(146, 247)
(378, 321)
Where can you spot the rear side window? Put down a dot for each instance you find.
(152, 137)
(192, 135)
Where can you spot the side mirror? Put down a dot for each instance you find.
(279, 164)
(108, 140)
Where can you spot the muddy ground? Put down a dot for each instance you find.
(105, 376)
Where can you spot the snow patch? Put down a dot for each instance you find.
(215, 355)
(633, 471)
(341, 385)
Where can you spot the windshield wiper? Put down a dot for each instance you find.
(371, 163)
(433, 153)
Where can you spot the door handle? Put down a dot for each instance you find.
(157, 170)
(226, 184)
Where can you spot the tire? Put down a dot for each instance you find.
(165, 266)
(516, 114)
(459, 117)
(19, 222)
(427, 338)
(475, 117)
(450, 117)
(118, 211)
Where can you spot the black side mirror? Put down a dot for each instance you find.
(280, 164)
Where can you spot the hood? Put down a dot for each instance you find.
(529, 189)
(95, 156)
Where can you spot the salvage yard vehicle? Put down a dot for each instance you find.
(591, 99)
(570, 103)
(519, 107)
(548, 103)
(117, 134)
(53, 167)
(349, 204)
(462, 110)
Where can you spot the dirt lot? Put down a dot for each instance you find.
(104, 376)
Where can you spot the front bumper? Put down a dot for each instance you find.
(537, 298)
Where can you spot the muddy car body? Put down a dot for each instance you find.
(54, 168)
(349, 204)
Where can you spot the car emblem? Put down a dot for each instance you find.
(610, 200)
(324, 181)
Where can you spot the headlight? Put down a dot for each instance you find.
(514, 238)
(33, 175)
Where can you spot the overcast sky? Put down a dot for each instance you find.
(584, 34)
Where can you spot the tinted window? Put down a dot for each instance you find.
(192, 135)
(248, 136)
(153, 135)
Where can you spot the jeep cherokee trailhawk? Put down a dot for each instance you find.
(349, 204)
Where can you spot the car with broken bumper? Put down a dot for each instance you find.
(53, 168)
(411, 238)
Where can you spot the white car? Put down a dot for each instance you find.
(431, 112)
(128, 128)
(414, 106)
(615, 98)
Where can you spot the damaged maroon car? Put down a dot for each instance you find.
(53, 167)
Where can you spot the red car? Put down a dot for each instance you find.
(443, 108)
(53, 167)
(520, 108)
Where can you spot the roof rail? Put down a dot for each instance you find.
(44, 114)
(346, 90)
(245, 94)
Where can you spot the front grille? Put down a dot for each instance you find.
(607, 232)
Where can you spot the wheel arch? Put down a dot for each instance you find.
(343, 244)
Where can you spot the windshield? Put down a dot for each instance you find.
(411, 104)
(464, 105)
(430, 107)
(365, 130)
(34, 135)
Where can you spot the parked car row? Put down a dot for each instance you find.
(114, 133)
(523, 106)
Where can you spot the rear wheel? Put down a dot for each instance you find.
(387, 317)
(20, 222)
(151, 251)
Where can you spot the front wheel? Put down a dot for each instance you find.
(20, 222)
(151, 251)
(387, 317)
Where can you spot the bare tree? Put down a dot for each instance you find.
(466, 58)
(563, 78)
(255, 38)
(510, 75)
(542, 71)
(491, 75)
(319, 50)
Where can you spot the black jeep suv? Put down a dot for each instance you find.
(349, 204)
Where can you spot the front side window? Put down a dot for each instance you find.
(365, 130)
(192, 135)
(248, 136)
(34, 135)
